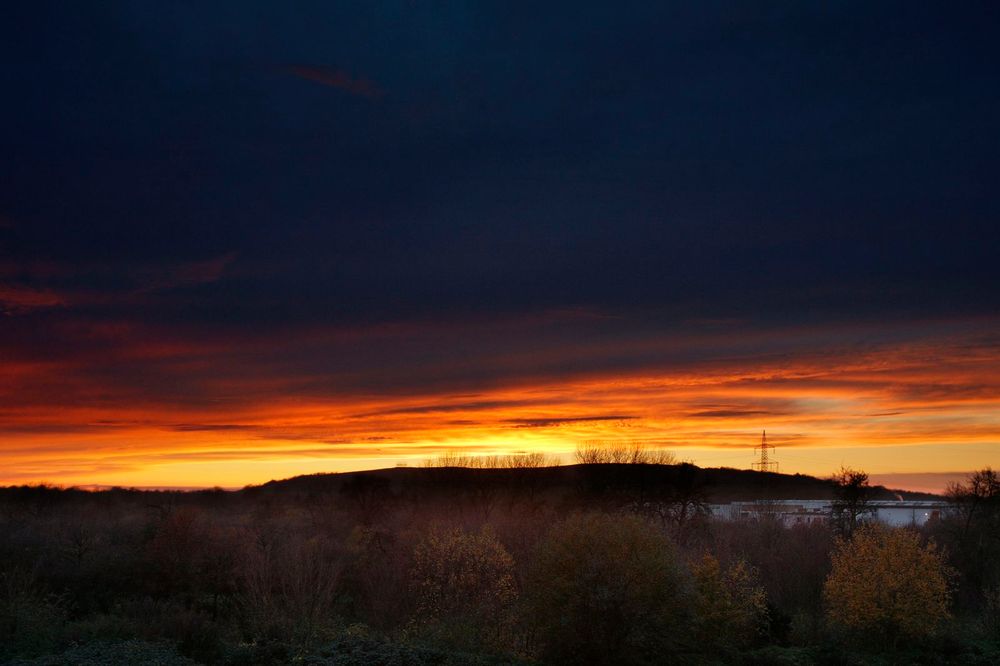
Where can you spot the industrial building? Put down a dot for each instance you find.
(805, 512)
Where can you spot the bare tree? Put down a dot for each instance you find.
(622, 453)
(853, 499)
(520, 460)
(978, 497)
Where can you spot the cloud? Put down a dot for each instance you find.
(16, 299)
(476, 405)
(558, 421)
(209, 427)
(336, 78)
(107, 388)
(190, 274)
(732, 413)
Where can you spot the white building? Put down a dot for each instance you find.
(805, 512)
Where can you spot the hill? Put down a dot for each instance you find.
(718, 485)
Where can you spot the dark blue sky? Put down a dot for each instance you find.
(371, 228)
(397, 160)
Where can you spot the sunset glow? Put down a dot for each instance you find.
(240, 243)
(895, 400)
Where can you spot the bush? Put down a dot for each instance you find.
(730, 604)
(358, 649)
(286, 589)
(465, 589)
(30, 622)
(126, 653)
(608, 589)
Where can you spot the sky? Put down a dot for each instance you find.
(243, 240)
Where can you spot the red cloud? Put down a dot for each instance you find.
(15, 299)
(192, 273)
(337, 78)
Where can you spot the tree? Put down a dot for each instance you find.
(377, 576)
(607, 589)
(629, 475)
(730, 604)
(977, 499)
(371, 495)
(885, 584)
(465, 588)
(679, 497)
(974, 543)
(853, 498)
(622, 453)
(287, 586)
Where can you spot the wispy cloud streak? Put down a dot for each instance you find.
(162, 405)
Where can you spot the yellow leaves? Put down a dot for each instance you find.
(731, 604)
(465, 585)
(884, 580)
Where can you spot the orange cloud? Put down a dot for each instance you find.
(155, 407)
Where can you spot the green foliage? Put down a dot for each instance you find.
(608, 589)
(730, 605)
(126, 653)
(354, 649)
(774, 655)
(30, 622)
(268, 578)
(990, 621)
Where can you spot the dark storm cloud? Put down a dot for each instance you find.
(443, 408)
(209, 427)
(557, 421)
(732, 413)
(173, 203)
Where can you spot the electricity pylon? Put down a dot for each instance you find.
(764, 463)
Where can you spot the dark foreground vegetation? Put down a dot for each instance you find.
(603, 563)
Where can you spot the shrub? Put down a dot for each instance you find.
(126, 653)
(287, 588)
(355, 648)
(730, 604)
(607, 589)
(465, 589)
(30, 622)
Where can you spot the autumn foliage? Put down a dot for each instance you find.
(730, 604)
(447, 565)
(608, 590)
(886, 583)
(465, 589)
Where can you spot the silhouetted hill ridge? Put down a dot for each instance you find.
(720, 484)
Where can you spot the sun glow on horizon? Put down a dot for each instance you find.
(916, 405)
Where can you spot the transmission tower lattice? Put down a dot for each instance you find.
(764, 462)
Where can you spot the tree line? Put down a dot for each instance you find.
(626, 567)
